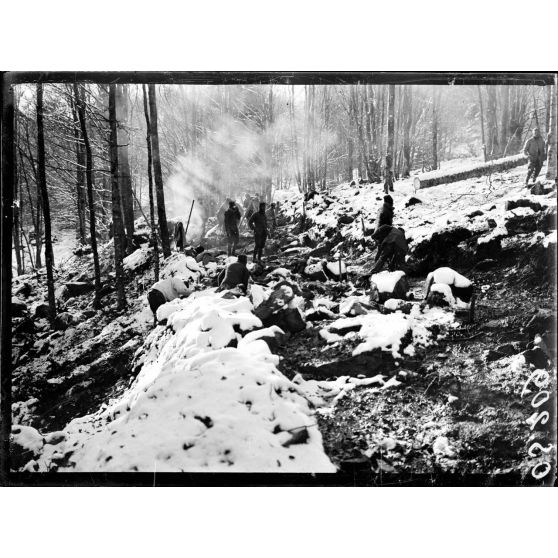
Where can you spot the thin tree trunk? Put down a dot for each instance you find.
(326, 101)
(434, 130)
(124, 166)
(504, 128)
(547, 108)
(492, 110)
(482, 122)
(391, 123)
(158, 175)
(17, 208)
(295, 150)
(80, 174)
(408, 120)
(535, 109)
(150, 178)
(552, 144)
(118, 225)
(49, 254)
(350, 162)
(80, 103)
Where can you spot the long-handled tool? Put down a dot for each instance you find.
(188, 223)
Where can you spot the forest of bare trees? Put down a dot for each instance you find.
(92, 158)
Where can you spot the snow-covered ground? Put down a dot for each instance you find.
(62, 247)
(442, 207)
(199, 403)
(210, 396)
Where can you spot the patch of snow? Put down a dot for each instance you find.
(442, 448)
(258, 294)
(198, 405)
(333, 267)
(386, 280)
(449, 276)
(27, 438)
(330, 337)
(138, 258)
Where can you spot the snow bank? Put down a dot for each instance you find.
(137, 259)
(199, 404)
(180, 265)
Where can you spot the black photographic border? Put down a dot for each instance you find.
(356, 478)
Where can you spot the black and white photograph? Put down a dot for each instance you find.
(347, 277)
(278, 279)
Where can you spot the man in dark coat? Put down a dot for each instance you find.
(388, 184)
(385, 215)
(236, 274)
(179, 237)
(232, 218)
(392, 248)
(536, 153)
(258, 223)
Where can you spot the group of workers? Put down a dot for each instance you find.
(392, 246)
(260, 219)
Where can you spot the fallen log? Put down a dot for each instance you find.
(434, 178)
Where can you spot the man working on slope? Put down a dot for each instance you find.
(385, 215)
(388, 184)
(258, 223)
(232, 218)
(236, 274)
(535, 151)
(392, 248)
(460, 286)
(164, 291)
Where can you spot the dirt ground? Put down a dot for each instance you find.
(456, 393)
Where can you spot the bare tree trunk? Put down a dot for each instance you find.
(350, 162)
(161, 211)
(434, 130)
(370, 133)
(535, 109)
(49, 254)
(295, 150)
(154, 241)
(355, 112)
(80, 174)
(325, 146)
(269, 145)
(551, 173)
(492, 110)
(118, 225)
(482, 123)
(391, 121)
(547, 108)
(16, 232)
(80, 103)
(124, 166)
(504, 128)
(408, 121)
(382, 120)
